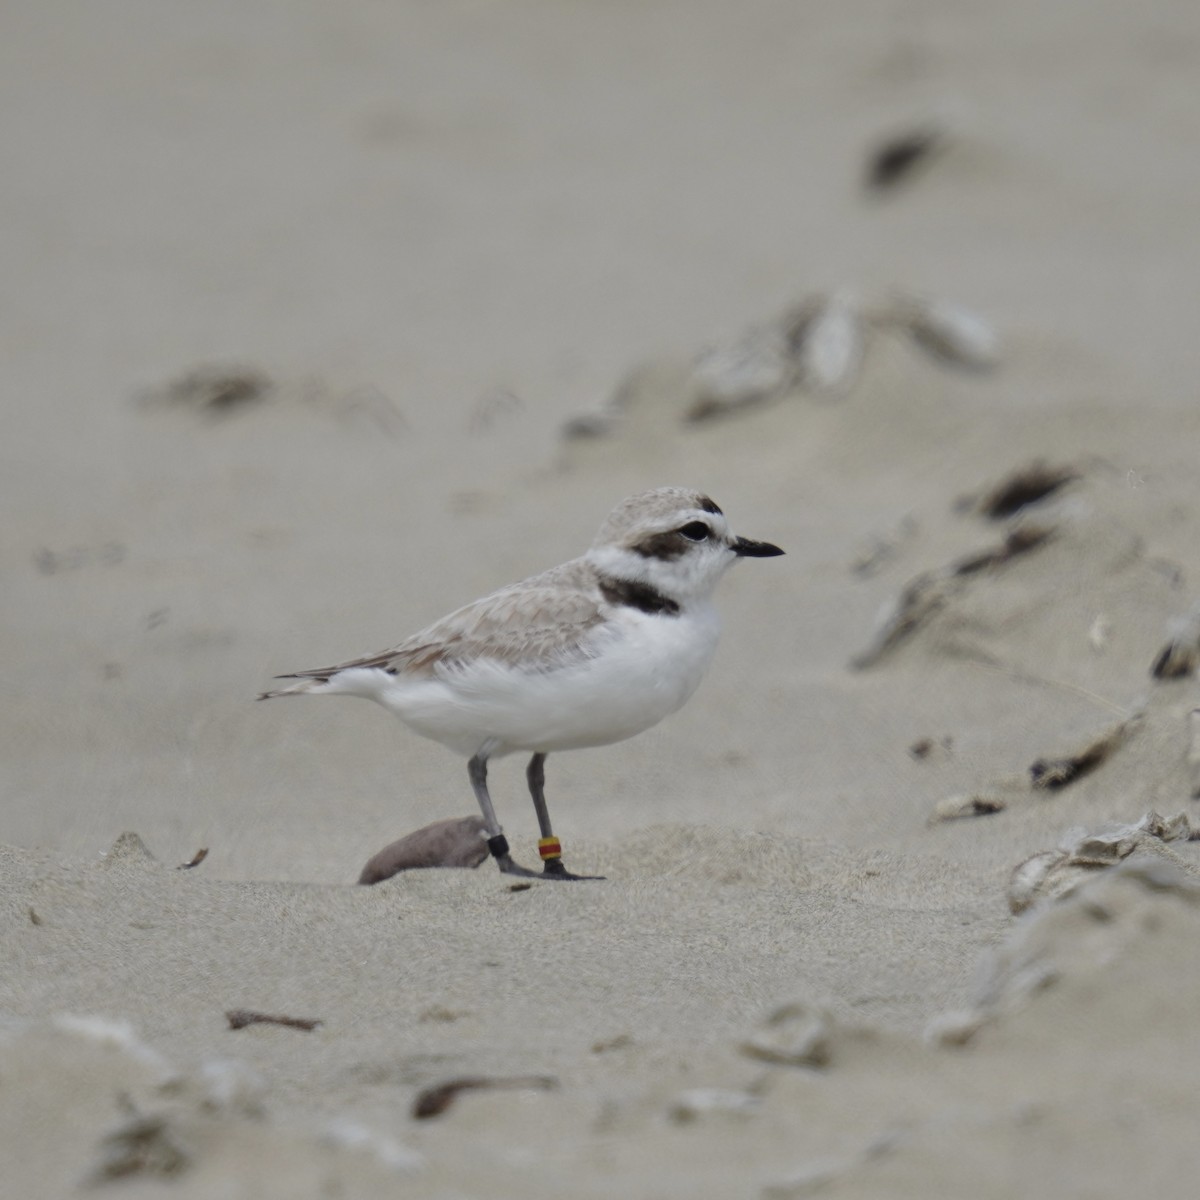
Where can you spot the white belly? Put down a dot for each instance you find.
(646, 668)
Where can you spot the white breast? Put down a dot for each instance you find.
(645, 666)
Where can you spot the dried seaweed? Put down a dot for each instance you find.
(239, 1018)
(213, 389)
(1180, 656)
(928, 593)
(896, 157)
(1024, 486)
(435, 1100)
(1051, 774)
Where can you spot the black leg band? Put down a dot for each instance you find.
(498, 845)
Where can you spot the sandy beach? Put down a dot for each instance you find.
(322, 320)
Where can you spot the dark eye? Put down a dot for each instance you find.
(696, 531)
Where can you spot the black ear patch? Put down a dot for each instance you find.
(664, 546)
(710, 506)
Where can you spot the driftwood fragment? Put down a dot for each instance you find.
(456, 842)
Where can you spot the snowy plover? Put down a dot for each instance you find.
(586, 653)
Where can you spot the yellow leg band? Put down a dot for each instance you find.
(550, 847)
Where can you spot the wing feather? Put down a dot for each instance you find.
(542, 626)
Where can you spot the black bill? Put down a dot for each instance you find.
(745, 548)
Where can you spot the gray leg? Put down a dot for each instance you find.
(535, 773)
(497, 842)
(477, 769)
(548, 847)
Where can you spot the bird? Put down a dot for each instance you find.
(587, 653)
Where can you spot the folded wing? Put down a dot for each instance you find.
(535, 628)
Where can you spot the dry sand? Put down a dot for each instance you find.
(433, 234)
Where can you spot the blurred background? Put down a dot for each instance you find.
(410, 242)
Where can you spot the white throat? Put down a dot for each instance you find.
(689, 579)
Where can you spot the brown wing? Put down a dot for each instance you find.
(541, 626)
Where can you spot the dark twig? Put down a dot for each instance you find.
(239, 1018)
(435, 1100)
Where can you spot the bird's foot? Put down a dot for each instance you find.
(552, 868)
(550, 848)
(498, 846)
(508, 867)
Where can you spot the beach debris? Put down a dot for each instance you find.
(195, 860)
(367, 408)
(347, 1134)
(1178, 828)
(926, 748)
(620, 1041)
(1098, 633)
(1051, 874)
(976, 804)
(441, 1015)
(605, 419)
(1098, 913)
(825, 337)
(1193, 754)
(455, 842)
(895, 158)
(435, 1100)
(917, 602)
(1026, 485)
(814, 1177)
(1021, 539)
(34, 918)
(948, 332)
(226, 1085)
(1051, 774)
(493, 408)
(143, 1144)
(815, 346)
(930, 591)
(755, 367)
(795, 1035)
(213, 388)
(1179, 657)
(520, 887)
(76, 558)
(697, 1103)
(586, 425)
(880, 548)
(239, 1018)
(1030, 879)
